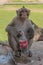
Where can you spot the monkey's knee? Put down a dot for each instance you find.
(10, 41)
(9, 38)
(29, 45)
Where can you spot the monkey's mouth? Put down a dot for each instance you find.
(23, 43)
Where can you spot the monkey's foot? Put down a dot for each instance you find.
(17, 55)
(30, 54)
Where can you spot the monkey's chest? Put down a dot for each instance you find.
(21, 27)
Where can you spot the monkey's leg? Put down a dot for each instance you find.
(12, 42)
(14, 45)
(29, 46)
(30, 43)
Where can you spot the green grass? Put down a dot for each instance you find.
(37, 18)
(36, 6)
(7, 15)
(5, 18)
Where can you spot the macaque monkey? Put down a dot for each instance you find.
(21, 32)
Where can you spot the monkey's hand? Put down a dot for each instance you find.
(19, 35)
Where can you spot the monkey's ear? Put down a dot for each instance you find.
(17, 11)
(28, 12)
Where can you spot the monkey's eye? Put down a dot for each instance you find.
(20, 14)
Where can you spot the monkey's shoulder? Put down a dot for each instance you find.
(14, 21)
(29, 23)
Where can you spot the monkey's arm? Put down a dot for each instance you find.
(10, 26)
(11, 29)
(30, 30)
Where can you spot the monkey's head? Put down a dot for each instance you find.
(23, 13)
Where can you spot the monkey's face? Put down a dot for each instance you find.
(23, 15)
